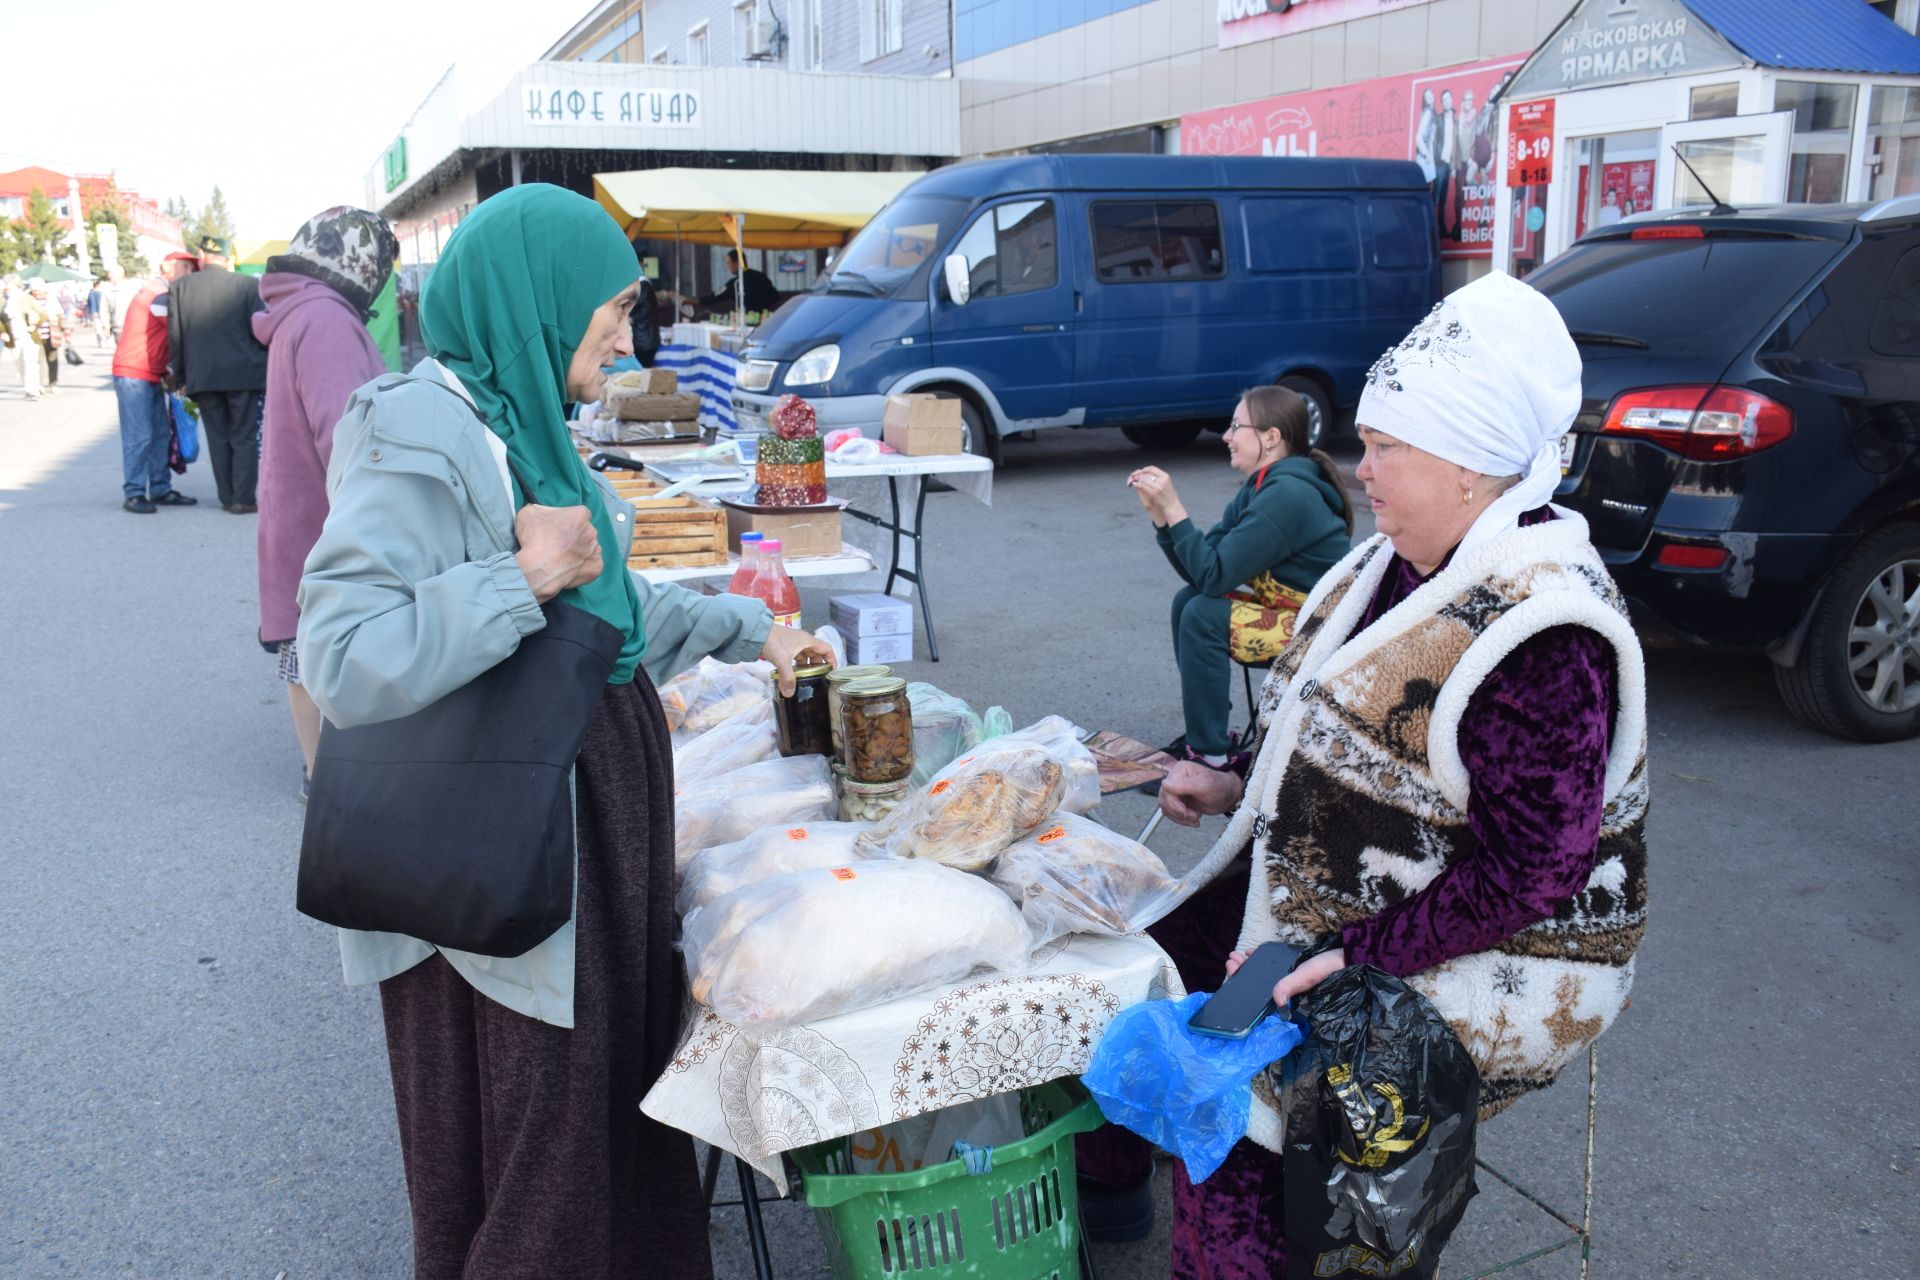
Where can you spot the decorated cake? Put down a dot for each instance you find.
(792, 467)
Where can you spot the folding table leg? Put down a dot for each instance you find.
(756, 1229)
(711, 1177)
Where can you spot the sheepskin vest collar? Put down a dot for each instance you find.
(1358, 797)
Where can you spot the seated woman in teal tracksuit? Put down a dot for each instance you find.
(1247, 576)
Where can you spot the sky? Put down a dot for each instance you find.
(285, 106)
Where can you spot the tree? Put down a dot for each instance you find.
(110, 207)
(178, 208)
(214, 220)
(40, 235)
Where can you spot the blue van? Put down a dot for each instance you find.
(1143, 292)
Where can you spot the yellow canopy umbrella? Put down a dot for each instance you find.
(251, 255)
(774, 208)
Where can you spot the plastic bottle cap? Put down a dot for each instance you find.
(752, 537)
(771, 544)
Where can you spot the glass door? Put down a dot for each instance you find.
(1742, 160)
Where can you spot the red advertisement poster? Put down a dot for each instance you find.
(1530, 143)
(1441, 120)
(1625, 189)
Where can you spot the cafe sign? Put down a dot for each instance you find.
(395, 162)
(653, 108)
(1608, 42)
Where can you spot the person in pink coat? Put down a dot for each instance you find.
(318, 296)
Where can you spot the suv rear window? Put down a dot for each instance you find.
(1684, 297)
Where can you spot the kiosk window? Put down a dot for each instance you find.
(1134, 242)
(1010, 249)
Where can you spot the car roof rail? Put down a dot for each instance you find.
(1897, 207)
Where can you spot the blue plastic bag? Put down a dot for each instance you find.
(186, 429)
(1187, 1092)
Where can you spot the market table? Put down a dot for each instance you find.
(873, 536)
(757, 1094)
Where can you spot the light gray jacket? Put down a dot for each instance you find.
(412, 591)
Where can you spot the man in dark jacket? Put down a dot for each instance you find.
(645, 321)
(761, 295)
(216, 361)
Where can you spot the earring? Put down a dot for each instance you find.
(1466, 499)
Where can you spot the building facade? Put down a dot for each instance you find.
(156, 233)
(874, 37)
(1399, 79)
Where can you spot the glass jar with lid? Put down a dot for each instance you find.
(876, 729)
(836, 680)
(800, 723)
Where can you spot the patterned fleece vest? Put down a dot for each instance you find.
(1358, 797)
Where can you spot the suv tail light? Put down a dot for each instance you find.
(1684, 231)
(1706, 424)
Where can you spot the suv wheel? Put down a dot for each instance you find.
(1859, 674)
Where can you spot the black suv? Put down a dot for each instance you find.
(1748, 453)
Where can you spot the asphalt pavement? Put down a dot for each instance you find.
(191, 1092)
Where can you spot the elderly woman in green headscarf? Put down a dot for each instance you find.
(518, 1081)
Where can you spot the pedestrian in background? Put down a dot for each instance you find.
(317, 296)
(646, 323)
(50, 333)
(139, 376)
(97, 313)
(19, 317)
(214, 358)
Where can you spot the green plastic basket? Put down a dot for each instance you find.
(1020, 1221)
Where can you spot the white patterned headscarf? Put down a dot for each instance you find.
(1490, 381)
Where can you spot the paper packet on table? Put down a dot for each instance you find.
(712, 692)
(1075, 876)
(768, 852)
(990, 797)
(811, 944)
(720, 810)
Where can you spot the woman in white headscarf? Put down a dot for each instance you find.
(1451, 782)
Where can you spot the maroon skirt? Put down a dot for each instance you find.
(526, 1154)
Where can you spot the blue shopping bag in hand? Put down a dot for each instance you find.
(186, 429)
(1189, 1093)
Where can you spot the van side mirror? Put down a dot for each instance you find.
(959, 279)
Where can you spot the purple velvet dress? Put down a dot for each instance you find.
(1534, 740)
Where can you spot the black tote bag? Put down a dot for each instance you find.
(455, 824)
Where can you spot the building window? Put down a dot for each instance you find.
(1011, 249)
(745, 14)
(660, 57)
(1156, 241)
(881, 28)
(813, 35)
(1822, 138)
(697, 51)
(1714, 102)
(1893, 142)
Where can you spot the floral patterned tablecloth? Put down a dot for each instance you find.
(759, 1093)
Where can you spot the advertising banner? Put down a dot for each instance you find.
(1441, 120)
(1244, 21)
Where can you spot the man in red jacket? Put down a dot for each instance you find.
(139, 373)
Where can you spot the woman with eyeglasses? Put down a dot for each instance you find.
(1247, 577)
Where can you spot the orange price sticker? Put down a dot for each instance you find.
(844, 873)
(939, 786)
(797, 833)
(1053, 835)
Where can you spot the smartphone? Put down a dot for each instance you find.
(1247, 997)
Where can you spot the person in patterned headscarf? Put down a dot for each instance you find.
(317, 295)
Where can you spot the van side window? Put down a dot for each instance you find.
(1896, 325)
(1157, 240)
(1010, 249)
(1301, 233)
(1402, 232)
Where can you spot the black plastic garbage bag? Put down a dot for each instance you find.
(1379, 1104)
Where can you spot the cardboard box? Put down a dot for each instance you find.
(801, 533)
(867, 650)
(871, 615)
(920, 425)
(646, 407)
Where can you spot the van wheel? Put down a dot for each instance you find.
(1319, 408)
(1859, 675)
(976, 436)
(1163, 435)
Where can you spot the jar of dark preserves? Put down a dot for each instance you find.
(800, 723)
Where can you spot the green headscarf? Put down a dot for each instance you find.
(505, 308)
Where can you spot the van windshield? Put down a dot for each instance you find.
(892, 254)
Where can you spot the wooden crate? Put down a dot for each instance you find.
(677, 533)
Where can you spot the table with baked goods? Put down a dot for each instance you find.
(887, 500)
(760, 1093)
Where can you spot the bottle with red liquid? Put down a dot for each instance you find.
(742, 582)
(773, 588)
